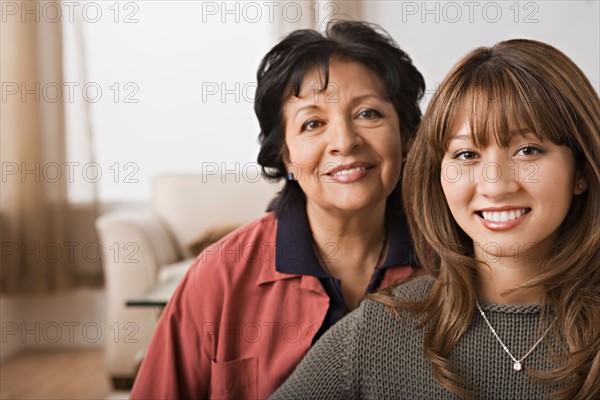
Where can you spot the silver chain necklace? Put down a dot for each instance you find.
(517, 366)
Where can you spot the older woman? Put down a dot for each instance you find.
(336, 113)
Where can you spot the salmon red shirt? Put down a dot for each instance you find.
(248, 310)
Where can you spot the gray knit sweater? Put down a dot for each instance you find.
(371, 354)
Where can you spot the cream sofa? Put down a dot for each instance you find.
(153, 246)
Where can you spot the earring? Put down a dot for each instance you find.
(580, 186)
(290, 176)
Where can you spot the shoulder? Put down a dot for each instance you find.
(415, 289)
(341, 335)
(246, 249)
(387, 330)
(378, 311)
(260, 228)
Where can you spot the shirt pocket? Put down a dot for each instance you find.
(236, 379)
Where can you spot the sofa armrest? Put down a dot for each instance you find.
(135, 245)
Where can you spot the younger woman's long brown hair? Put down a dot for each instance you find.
(539, 87)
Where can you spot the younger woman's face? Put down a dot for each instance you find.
(509, 200)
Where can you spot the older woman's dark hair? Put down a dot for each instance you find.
(282, 71)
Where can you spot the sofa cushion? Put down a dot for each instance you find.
(190, 204)
(210, 236)
(175, 271)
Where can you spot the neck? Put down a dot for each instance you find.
(353, 236)
(497, 275)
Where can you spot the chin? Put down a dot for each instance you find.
(355, 206)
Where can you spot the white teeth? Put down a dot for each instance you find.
(349, 171)
(502, 216)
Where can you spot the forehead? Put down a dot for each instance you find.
(340, 78)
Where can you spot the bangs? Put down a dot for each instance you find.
(501, 102)
(495, 111)
(319, 60)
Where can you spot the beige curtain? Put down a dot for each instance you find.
(33, 195)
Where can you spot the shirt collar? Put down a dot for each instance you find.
(295, 252)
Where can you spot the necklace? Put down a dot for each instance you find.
(517, 366)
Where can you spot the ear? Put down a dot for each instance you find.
(581, 183)
(285, 155)
(291, 167)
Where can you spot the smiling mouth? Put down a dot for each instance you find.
(349, 171)
(503, 216)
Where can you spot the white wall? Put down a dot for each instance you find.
(190, 67)
(185, 83)
(437, 33)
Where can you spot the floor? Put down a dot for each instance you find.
(56, 375)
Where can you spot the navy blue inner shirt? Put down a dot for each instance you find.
(295, 254)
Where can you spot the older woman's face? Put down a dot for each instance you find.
(343, 145)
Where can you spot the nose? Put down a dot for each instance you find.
(344, 138)
(497, 179)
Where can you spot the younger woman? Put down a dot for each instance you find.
(502, 189)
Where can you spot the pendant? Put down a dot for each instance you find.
(517, 366)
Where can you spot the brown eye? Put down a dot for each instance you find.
(465, 155)
(311, 125)
(530, 150)
(369, 114)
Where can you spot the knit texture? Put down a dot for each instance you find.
(371, 354)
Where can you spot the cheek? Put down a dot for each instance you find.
(302, 156)
(452, 196)
(554, 179)
(455, 185)
(555, 188)
(452, 175)
(390, 150)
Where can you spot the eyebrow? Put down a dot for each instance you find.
(306, 107)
